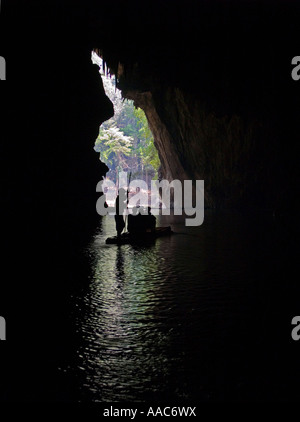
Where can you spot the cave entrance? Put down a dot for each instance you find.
(125, 141)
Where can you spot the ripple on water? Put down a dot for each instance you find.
(151, 316)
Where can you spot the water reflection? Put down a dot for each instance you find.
(126, 353)
(170, 320)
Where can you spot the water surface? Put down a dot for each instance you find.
(183, 318)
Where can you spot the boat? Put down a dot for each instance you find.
(141, 238)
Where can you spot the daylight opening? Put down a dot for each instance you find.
(125, 142)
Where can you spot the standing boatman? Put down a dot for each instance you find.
(121, 205)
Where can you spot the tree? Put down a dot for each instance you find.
(113, 145)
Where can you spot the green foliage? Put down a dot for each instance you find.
(147, 150)
(113, 144)
(125, 140)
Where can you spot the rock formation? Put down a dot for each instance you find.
(214, 80)
(215, 84)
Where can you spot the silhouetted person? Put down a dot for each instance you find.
(141, 223)
(121, 204)
(105, 203)
(134, 226)
(150, 221)
(138, 204)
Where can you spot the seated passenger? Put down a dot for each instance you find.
(139, 223)
(135, 222)
(150, 221)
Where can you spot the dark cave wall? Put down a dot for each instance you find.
(247, 158)
(194, 143)
(55, 104)
(216, 87)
